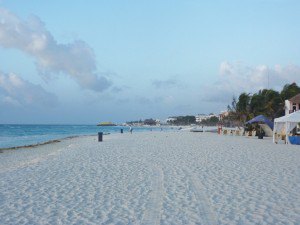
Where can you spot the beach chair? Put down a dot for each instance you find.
(224, 132)
(254, 133)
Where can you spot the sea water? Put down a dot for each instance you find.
(21, 135)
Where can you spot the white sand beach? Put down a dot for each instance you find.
(152, 178)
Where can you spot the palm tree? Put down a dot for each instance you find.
(243, 107)
(267, 102)
(289, 91)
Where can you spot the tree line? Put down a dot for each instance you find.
(150, 122)
(267, 102)
(211, 121)
(188, 120)
(183, 120)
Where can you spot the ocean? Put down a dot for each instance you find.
(14, 135)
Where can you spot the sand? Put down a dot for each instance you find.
(152, 178)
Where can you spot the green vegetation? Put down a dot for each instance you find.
(267, 102)
(140, 122)
(212, 121)
(183, 120)
(150, 122)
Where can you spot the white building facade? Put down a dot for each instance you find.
(201, 117)
(292, 105)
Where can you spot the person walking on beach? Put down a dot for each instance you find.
(130, 130)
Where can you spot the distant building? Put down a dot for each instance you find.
(292, 105)
(157, 121)
(223, 114)
(201, 117)
(171, 119)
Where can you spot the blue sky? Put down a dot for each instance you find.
(79, 62)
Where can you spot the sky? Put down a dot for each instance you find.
(79, 62)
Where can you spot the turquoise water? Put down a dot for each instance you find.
(20, 135)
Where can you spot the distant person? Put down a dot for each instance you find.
(130, 130)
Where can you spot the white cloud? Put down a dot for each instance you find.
(15, 91)
(75, 59)
(235, 78)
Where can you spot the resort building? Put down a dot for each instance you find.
(223, 114)
(171, 119)
(292, 105)
(157, 121)
(200, 117)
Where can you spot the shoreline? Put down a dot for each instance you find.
(57, 140)
(35, 143)
(43, 143)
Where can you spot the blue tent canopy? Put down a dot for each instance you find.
(263, 119)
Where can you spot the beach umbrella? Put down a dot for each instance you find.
(263, 119)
